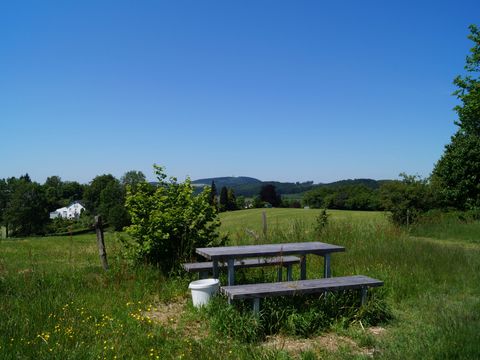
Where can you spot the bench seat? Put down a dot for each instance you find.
(300, 287)
(207, 266)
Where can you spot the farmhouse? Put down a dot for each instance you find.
(71, 211)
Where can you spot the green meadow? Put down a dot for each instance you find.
(56, 302)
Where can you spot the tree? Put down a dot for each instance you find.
(26, 212)
(4, 199)
(132, 178)
(112, 205)
(53, 187)
(457, 173)
(231, 200)
(105, 196)
(213, 195)
(268, 194)
(72, 191)
(469, 89)
(93, 192)
(169, 223)
(223, 199)
(407, 199)
(241, 202)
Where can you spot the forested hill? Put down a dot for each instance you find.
(248, 186)
(228, 181)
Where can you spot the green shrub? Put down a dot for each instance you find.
(61, 225)
(321, 221)
(169, 222)
(407, 199)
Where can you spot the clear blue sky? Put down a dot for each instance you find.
(278, 90)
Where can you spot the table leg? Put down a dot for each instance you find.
(326, 266)
(364, 295)
(280, 273)
(231, 272)
(215, 268)
(289, 272)
(256, 306)
(303, 267)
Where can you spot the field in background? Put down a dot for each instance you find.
(239, 221)
(56, 302)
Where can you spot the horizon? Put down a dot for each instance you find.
(153, 180)
(295, 92)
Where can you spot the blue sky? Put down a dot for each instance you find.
(278, 90)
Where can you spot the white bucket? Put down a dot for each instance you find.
(203, 290)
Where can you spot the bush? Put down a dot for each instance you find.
(169, 222)
(64, 226)
(321, 221)
(407, 199)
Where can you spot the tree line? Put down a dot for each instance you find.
(25, 205)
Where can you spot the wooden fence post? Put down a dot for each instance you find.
(101, 242)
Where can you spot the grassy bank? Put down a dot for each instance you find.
(56, 302)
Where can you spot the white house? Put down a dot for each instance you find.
(71, 211)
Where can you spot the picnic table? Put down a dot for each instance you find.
(228, 255)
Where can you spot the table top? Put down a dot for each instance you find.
(226, 252)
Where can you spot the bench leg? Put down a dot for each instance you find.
(280, 273)
(231, 272)
(289, 273)
(326, 266)
(364, 296)
(256, 306)
(215, 268)
(303, 267)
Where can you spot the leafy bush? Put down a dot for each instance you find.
(343, 197)
(61, 225)
(407, 199)
(321, 221)
(169, 222)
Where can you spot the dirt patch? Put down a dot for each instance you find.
(167, 315)
(328, 342)
(376, 330)
(172, 315)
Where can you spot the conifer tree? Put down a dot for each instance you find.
(223, 199)
(231, 200)
(213, 195)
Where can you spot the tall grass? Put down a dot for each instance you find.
(57, 302)
(433, 289)
(451, 225)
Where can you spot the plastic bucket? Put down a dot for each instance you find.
(203, 290)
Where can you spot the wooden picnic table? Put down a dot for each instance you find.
(228, 254)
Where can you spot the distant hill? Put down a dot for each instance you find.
(249, 187)
(370, 183)
(228, 181)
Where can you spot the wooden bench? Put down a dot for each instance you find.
(203, 268)
(258, 291)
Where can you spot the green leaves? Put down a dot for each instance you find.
(457, 173)
(169, 222)
(407, 199)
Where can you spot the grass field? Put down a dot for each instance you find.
(56, 302)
